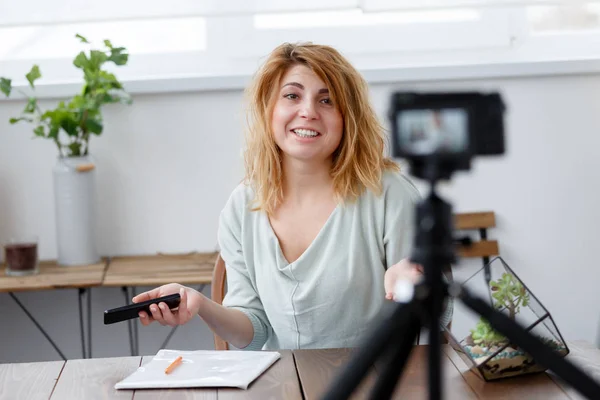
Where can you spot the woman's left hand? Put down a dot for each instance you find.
(405, 270)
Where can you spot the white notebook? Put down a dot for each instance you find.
(201, 368)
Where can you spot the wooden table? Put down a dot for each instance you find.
(125, 272)
(187, 269)
(130, 272)
(52, 276)
(299, 374)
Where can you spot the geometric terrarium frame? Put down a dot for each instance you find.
(490, 354)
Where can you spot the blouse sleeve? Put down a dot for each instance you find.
(401, 198)
(400, 201)
(241, 292)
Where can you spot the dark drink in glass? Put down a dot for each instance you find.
(21, 256)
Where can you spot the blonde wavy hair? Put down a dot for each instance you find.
(358, 162)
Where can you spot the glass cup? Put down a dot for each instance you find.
(21, 256)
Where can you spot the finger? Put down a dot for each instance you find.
(167, 314)
(149, 295)
(182, 310)
(389, 280)
(417, 277)
(144, 318)
(156, 314)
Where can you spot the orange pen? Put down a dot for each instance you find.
(173, 365)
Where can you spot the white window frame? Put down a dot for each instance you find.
(491, 31)
(498, 45)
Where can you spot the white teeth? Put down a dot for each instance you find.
(305, 133)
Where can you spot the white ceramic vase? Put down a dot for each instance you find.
(74, 193)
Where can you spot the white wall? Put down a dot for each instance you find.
(167, 164)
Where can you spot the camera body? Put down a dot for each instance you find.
(440, 133)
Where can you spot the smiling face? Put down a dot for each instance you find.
(306, 124)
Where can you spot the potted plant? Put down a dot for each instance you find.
(70, 126)
(488, 352)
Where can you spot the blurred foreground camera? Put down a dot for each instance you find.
(440, 133)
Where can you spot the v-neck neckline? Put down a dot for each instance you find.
(312, 244)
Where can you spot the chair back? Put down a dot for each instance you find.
(217, 294)
(480, 221)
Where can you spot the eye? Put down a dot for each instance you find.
(291, 96)
(327, 101)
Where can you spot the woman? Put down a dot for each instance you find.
(317, 236)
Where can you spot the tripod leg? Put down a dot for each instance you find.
(435, 348)
(367, 352)
(395, 363)
(536, 348)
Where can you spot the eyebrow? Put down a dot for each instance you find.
(300, 86)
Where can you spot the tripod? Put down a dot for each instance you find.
(396, 332)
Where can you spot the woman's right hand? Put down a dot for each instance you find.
(189, 306)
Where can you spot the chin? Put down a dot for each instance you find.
(308, 158)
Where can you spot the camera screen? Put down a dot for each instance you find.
(424, 132)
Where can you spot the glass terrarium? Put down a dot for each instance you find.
(489, 354)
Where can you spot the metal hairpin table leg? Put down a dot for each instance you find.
(129, 322)
(81, 329)
(134, 322)
(11, 294)
(86, 350)
(89, 321)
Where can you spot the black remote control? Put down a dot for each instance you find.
(132, 310)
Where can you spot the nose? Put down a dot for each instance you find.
(308, 110)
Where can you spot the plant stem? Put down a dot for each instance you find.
(86, 135)
(511, 309)
(60, 153)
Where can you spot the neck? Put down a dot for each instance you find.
(306, 182)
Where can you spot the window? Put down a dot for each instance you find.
(215, 38)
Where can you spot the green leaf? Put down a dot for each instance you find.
(30, 106)
(83, 40)
(53, 134)
(94, 126)
(81, 61)
(70, 125)
(63, 118)
(39, 131)
(13, 121)
(77, 102)
(33, 75)
(97, 58)
(109, 80)
(108, 44)
(118, 57)
(5, 86)
(75, 148)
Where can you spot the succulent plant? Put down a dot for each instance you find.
(508, 294)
